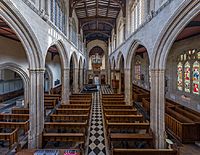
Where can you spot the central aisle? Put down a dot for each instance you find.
(96, 133)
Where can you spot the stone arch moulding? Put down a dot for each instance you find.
(177, 23)
(25, 78)
(119, 56)
(50, 74)
(74, 57)
(131, 51)
(62, 53)
(10, 14)
(113, 64)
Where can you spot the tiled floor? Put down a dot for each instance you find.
(96, 137)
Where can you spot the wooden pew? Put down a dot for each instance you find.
(117, 106)
(118, 127)
(69, 118)
(117, 151)
(20, 111)
(72, 111)
(185, 131)
(120, 111)
(63, 137)
(124, 118)
(14, 125)
(75, 106)
(58, 96)
(10, 95)
(132, 137)
(14, 117)
(49, 103)
(137, 96)
(114, 102)
(56, 90)
(80, 127)
(80, 101)
(11, 137)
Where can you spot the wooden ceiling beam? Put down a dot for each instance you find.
(108, 23)
(96, 31)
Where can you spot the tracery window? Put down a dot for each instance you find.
(58, 14)
(189, 66)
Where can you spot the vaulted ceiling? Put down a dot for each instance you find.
(97, 18)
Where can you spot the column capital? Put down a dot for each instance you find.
(66, 69)
(157, 70)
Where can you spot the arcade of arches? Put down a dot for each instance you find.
(100, 77)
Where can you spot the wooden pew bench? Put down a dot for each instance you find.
(56, 90)
(14, 125)
(117, 106)
(75, 106)
(72, 111)
(14, 117)
(137, 96)
(117, 151)
(80, 101)
(20, 111)
(133, 140)
(112, 96)
(63, 137)
(121, 127)
(124, 118)
(113, 99)
(57, 96)
(183, 129)
(76, 127)
(50, 104)
(120, 111)
(69, 118)
(114, 102)
(11, 137)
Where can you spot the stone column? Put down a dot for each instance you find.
(109, 76)
(120, 82)
(36, 108)
(26, 95)
(157, 107)
(81, 79)
(65, 85)
(128, 86)
(75, 80)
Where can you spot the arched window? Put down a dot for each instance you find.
(58, 14)
(180, 76)
(190, 82)
(196, 69)
(74, 32)
(187, 77)
(137, 14)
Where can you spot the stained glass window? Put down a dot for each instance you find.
(196, 69)
(180, 76)
(187, 77)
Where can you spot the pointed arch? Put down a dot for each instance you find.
(24, 32)
(24, 76)
(177, 23)
(120, 57)
(75, 59)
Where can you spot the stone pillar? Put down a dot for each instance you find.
(157, 107)
(81, 79)
(75, 80)
(128, 86)
(70, 28)
(109, 75)
(120, 82)
(26, 95)
(36, 108)
(65, 85)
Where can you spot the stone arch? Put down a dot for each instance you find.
(16, 21)
(75, 59)
(119, 56)
(131, 52)
(62, 53)
(113, 64)
(24, 76)
(167, 37)
(50, 75)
